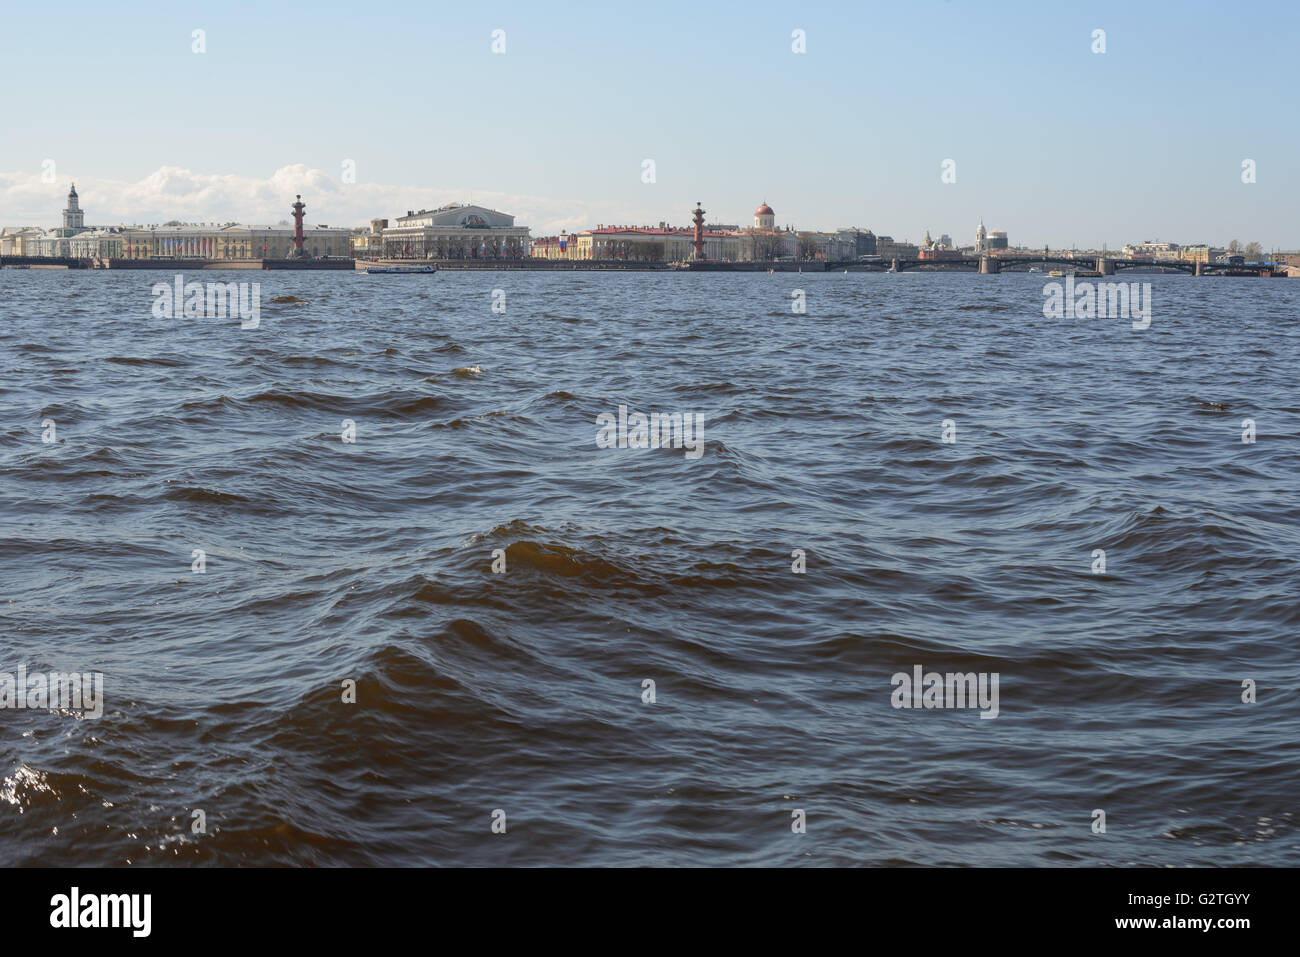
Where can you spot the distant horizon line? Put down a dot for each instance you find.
(1073, 247)
(306, 180)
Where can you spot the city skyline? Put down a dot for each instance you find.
(220, 193)
(1048, 139)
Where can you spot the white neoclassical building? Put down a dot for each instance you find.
(455, 231)
(14, 239)
(97, 244)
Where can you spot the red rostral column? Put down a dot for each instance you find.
(298, 208)
(699, 232)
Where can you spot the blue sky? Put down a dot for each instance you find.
(1051, 141)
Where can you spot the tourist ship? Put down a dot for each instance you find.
(400, 270)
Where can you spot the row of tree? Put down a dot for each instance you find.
(766, 246)
(1252, 251)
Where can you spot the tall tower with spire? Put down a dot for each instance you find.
(74, 220)
(981, 237)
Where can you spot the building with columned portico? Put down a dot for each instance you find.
(231, 241)
(455, 231)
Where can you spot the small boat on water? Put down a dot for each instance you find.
(400, 270)
(1056, 273)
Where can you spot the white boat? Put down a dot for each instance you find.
(399, 270)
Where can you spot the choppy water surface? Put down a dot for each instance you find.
(522, 691)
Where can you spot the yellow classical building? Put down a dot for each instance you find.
(231, 241)
(640, 244)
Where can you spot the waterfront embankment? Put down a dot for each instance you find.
(1082, 268)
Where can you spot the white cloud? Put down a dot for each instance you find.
(171, 192)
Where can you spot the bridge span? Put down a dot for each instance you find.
(1088, 265)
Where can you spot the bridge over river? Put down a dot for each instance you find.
(1098, 265)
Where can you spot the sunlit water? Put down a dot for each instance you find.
(523, 691)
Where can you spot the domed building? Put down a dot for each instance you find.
(764, 218)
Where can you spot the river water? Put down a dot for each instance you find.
(822, 538)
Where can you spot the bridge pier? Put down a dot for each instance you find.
(989, 266)
(1105, 266)
(1197, 270)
